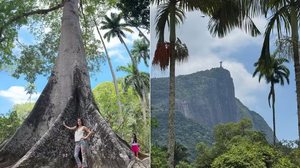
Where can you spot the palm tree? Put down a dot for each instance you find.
(110, 67)
(140, 82)
(116, 29)
(225, 15)
(273, 74)
(285, 18)
(140, 50)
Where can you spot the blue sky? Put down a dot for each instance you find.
(238, 51)
(12, 90)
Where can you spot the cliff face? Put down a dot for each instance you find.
(206, 98)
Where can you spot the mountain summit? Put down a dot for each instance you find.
(203, 100)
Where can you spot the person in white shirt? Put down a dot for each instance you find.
(80, 143)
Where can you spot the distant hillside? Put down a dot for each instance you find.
(203, 100)
(188, 133)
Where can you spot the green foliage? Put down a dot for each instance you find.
(181, 153)
(23, 110)
(8, 32)
(129, 120)
(183, 164)
(226, 134)
(140, 81)
(140, 50)
(294, 156)
(136, 12)
(159, 156)
(205, 155)
(237, 145)
(10, 122)
(8, 125)
(106, 100)
(154, 122)
(188, 132)
(115, 27)
(248, 154)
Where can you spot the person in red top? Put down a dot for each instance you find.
(135, 146)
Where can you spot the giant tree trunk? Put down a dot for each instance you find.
(42, 141)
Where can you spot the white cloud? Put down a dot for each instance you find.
(246, 86)
(17, 95)
(118, 56)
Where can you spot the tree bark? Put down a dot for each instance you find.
(171, 125)
(145, 105)
(42, 141)
(273, 110)
(295, 40)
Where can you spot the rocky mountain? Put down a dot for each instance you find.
(203, 100)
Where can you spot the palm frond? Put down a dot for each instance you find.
(181, 51)
(161, 19)
(223, 20)
(265, 53)
(275, 72)
(140, 50)
(127, 69)
(127, 29)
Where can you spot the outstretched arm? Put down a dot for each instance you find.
(70, 128)
(88, 131)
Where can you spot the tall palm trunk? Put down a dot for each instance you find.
(145, 106)
(131, 57)
(141, 93)
(171, 125)
(295, 39)
(134, 63)
(111, 69)
(273, 110)
(147, 134)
